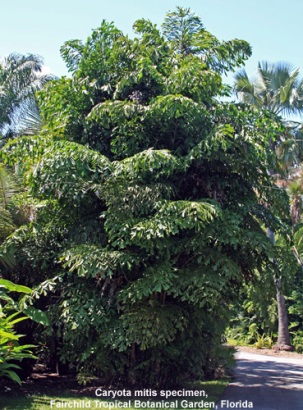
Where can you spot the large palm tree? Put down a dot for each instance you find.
(279, 89)
(276, 87)
(20, 78)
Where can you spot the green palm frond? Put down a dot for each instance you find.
(72, 52)
(20, 78)
(276, 87)
(27, 120)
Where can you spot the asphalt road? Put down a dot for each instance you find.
(265, 383)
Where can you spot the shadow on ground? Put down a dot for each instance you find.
(267, 384)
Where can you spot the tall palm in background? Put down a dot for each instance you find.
(279, 89)
(20, 78)
(276, 87)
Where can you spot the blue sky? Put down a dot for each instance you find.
(273, 27)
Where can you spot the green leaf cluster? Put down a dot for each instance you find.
(10, 348)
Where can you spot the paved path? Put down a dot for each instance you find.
(266, 383)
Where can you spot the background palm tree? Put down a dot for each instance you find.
(20, 78)
(276, 87)
(279, 89)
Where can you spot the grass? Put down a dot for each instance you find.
(213, 390)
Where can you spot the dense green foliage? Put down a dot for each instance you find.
(142, 220)
(10, 348)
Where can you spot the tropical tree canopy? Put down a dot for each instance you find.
(143, 220)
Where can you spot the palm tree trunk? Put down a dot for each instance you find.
(283, 342)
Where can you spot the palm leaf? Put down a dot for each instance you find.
(20, 78)
(276, 87)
